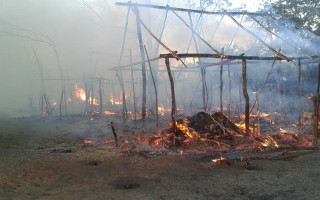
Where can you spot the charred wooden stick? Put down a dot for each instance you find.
(155, 87)
(173, 102)
(114, 134)
(245, 94)
(234, 57)
(222, 127)
(144, 74)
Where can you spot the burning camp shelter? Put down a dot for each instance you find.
(202, 71)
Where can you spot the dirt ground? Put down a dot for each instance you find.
(46, 159)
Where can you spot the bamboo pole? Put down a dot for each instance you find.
(173, 101)
(245, 94)
(155, 88)
(144, 76)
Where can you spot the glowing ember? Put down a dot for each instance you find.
(219, 161)
(69, 100)
(282, 130)
(106, 112)
(88, 141)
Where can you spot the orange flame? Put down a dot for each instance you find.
(186, 131)
(106, 112)
(268, 141)
(81, 94)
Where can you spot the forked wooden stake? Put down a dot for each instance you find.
(114, 134)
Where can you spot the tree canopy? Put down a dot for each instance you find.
(306, 13)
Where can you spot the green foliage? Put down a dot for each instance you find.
(306, 13)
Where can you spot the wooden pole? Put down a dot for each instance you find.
(100, 95)
(144, 76)
(202, 69)
(114, 134)
(230, 98)
(221, 84)
(316, 112)
(173, 102)
(155, 88)
(60, 105)
(133, 90)
(245, 94)
(299, 97)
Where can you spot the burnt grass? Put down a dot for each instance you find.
(47, 159)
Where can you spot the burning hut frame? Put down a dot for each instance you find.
(225, 59)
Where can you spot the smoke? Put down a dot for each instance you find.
(84, 39)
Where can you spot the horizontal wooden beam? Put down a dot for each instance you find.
(232, 57)
(188, 10)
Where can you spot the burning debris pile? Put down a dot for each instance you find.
(207, 133)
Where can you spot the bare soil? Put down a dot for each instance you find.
(47, 159)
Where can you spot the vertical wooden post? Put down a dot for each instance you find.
(173, 101)
(144, 76)
(230, 101)
(100, 95)
(133, 90)
(316, 113)
(299, 97)
(245, 94)
(87, 96)
(221, 84)
(155, 87)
